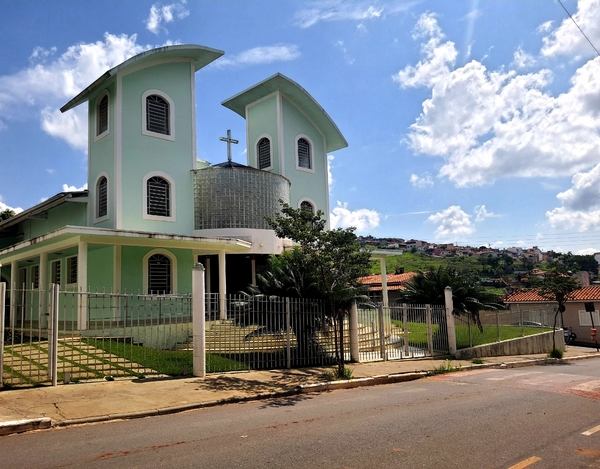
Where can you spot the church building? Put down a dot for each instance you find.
(152, 209)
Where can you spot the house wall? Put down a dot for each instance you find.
(69, 213)
(262, 122)
(312, 185)
(143, 154)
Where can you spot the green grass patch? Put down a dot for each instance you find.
(417, 331)
(490, 334)
(444, 368)
(164, 361)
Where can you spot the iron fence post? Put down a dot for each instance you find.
(53, 335)
(429, 329)
(498, 324)
(381, 334)
(288, 344)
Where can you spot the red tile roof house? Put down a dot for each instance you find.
(395, 283)
(575, 315)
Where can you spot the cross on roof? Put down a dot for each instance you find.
(229, 141)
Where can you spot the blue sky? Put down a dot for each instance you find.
(474, 122)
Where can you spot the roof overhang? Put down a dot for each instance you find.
(279, 82)
(68, 236)
(201, 56)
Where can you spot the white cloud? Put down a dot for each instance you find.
(522, 59)
(50, 81)
(3, 207)
(260, 55)
(421, 182)
(587, 252)
(67, 188)
(160, 15)
(493, 124)
(50, 171)
(439, 57)
(330, 179)
(481, 214)
(337, 10)
(362, 219)
(453, 223)
(567, 38)
(580, 204)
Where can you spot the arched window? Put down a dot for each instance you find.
(304, 156)
(157, 115)
(102, 197)
(158, 197)
(306, 206)
(102, 116)
(159, 274)
(263, 152)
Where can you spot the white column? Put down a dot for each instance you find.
(116, 282)
(450, 321)
(384, 289)
(199, 320)
(222, 287)
(82, 283)
(354, 345)
(43, 289)
(14, 278)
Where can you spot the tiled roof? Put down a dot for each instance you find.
(394, 281)
(527, 296)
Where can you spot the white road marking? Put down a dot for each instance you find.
(591, 431)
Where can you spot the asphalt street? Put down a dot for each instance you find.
(524, 417)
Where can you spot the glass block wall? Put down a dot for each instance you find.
(237, 197)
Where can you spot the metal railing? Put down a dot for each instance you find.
(402, 331)
(503, 325)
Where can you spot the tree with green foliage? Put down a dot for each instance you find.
(577, 262)
(557, 284)
(6, 214)
(331, 262)
(468, 296)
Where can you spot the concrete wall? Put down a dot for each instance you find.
(538, 343)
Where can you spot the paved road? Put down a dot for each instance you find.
(524, 417)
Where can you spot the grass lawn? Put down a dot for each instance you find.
(417, 331)
(164, 361)
(490, 334)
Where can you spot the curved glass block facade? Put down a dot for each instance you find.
(237, 197)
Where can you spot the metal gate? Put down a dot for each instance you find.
(402, 331)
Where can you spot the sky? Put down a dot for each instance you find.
(468, 122)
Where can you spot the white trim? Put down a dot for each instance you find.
(97, 199)
(166, 97)
(193, 110)
(118, 179)
(310, 201)
(280, 134)
(271, 166)
(101, 95)
(172, 257)
(172, 201)
(312, 154)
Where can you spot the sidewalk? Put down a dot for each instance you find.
(43, 407)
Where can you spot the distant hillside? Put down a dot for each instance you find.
(413, 262)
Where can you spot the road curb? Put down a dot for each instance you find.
(24, 425)
(20, 426)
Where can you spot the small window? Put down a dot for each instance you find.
(72, 270)
(304, 157)
(158, 197)
(102, 196)
(159, 274)
(102, 116)
(263, 151)
(306, 206)
(35, 276)
(586, 320)
(55, 272)
(157, 115)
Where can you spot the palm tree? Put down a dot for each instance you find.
(468, 296)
